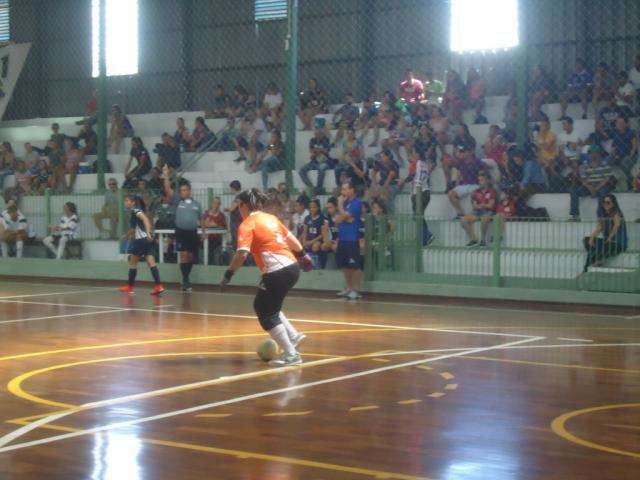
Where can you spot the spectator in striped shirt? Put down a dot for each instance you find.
(64, 231)
(13, 230)
(596, 180)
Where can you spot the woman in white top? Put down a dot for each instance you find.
(64, 231)
(272, 106)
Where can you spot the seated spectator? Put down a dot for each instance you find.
(253, 137)
(507, 210)
(91, 110)
(533, 179)
(399, 136)
(319, 148)
(214, 218)
(469, 167)
(624, 153)
(595, 180)
(56, 136)
(625, 95)
(120, 128)
(494, 131)
(23, 183)
(426, 144)
(201, 137)
(454, 97)
(182, 136)
(235, 219)
(496, 151)
(287, 205)
(7, 162)
(272, 106)
(351, 159)
(439, 125)
(462, 138)
(345, 117)
(391, 110)
(72, 159)
(13, 230)
(31, 157)
(228, 136)
(239, 101)
(475, 90)
(411, 89)
(270, 160)
(420, 170)
(578, 88)
(221, 104)
(384, 177)
(330, 230)
(636, 183)
(600, 136)
(604, 85)
(483, 201)
(540, 90)
(547, 144)
(168, 153)
(419, 118)
(57, 167)
(369, 115)
(301, 211)
(610, 113)
(312, 231)
(109, 210)
(433, 88)
(90, 139)
(313, 101)
(155, 184)
(569, 144)
(63, 232)
(42, 179)
(634, 75)
(142, 167)
(613, 228)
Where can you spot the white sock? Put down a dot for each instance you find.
(5, 250)
(19, 248)
(291, 330)
(279, 334)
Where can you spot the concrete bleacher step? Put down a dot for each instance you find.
(533, 264)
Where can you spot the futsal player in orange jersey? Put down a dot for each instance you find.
(279, 255)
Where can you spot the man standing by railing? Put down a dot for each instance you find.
(109, 210)
(348, 255)
(188, 217)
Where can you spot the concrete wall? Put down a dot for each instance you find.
(187, 46)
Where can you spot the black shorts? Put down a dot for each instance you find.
(245, 144)
(187, 241)
(141, 248)
(271, 293)
(348, 255)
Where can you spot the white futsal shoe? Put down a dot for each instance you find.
(343, 293)
(286, 360)
(297, 340)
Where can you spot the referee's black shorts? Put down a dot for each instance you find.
(187, 241)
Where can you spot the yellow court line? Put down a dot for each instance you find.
(287, 414)
(381, 360)
(437, 394)
(624, 427)
(424, 367)
(214, 415)
(451, 386)
(15, 385)
(558, 425)
(259, 456)
(559, 365)
(366, 407)
(176, 340)
(409, 402)
(447, 375)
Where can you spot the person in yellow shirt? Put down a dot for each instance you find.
(547, 144)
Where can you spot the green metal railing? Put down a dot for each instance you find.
(524, 253)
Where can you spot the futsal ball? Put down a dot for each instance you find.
(267, 350)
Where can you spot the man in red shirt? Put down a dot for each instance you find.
(411, 89)
(483, 201)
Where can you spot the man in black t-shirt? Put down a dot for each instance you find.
(319, 148)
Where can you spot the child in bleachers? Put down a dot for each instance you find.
(300, 214)
(507, 209)
(330, 233)
(312, 232)
(484, 207)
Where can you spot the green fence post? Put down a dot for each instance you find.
(121, 214)
(102, 96)
(368, 252)
(497, 250)
(210, 196)
(419, 217)
(291, 49)
(47, 209)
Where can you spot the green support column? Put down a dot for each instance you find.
(291, 49)
(368, 252)
(47, 208)
(419, 217)
(122, 220)
(521, 93)
(102, 96)
(497, 251)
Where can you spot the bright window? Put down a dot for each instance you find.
(121, 36)
(270, 10)
(483, 25)
(5, 34)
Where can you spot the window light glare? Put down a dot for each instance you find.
(486, 25)
(121, 36)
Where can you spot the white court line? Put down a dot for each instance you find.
(52, 317)
(72, 292)
(302, 320)
(635, 317)
(516, 347)
(575, 339)
(27, 428)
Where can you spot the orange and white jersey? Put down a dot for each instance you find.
(264, 236)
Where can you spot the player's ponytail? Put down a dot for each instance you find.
(137, 201)
(253, 198)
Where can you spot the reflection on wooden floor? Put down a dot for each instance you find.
(104, 386)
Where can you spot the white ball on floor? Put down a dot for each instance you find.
(267, 350)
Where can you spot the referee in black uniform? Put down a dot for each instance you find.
(188, 217)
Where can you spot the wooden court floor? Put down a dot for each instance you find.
(96, 385)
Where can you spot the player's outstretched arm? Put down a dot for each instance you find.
(237, 262)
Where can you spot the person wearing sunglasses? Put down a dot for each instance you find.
(613, 228)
